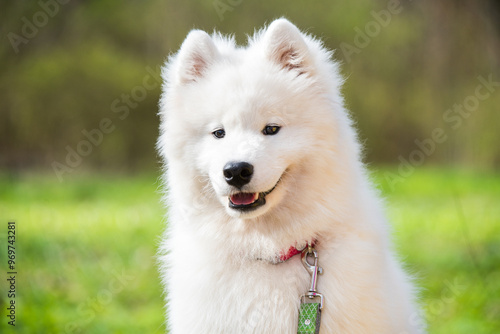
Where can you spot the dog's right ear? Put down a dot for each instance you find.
(197, 53)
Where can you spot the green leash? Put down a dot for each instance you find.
(309, 318)
(310, 313)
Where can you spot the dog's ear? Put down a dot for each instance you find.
(286, 46)
(196, 54)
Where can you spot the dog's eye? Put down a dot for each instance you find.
(219, 133)
(270, 130)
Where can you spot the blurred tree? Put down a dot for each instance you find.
(68, 65)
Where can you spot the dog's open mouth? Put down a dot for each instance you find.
(249, 201)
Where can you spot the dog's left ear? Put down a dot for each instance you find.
(286, 46)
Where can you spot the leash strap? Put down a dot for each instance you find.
(310, 313)
(309, 318)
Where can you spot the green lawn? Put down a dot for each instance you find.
(85, 250)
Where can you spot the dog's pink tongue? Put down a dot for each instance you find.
(244, 198)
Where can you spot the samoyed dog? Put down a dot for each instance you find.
(269, 204)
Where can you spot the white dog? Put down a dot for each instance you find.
(262, 160)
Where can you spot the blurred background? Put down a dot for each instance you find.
(79, 87)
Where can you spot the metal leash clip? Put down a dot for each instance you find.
(310, 312)
(314, 270)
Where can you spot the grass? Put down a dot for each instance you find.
(86, 254)
(447, 228)
(85, 250)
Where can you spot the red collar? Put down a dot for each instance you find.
(292, 251)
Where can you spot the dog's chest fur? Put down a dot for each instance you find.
(253, 298)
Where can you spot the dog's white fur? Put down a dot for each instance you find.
(219, 264)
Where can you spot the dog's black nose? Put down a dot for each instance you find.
(238, 174)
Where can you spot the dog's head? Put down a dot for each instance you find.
(254, 129)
